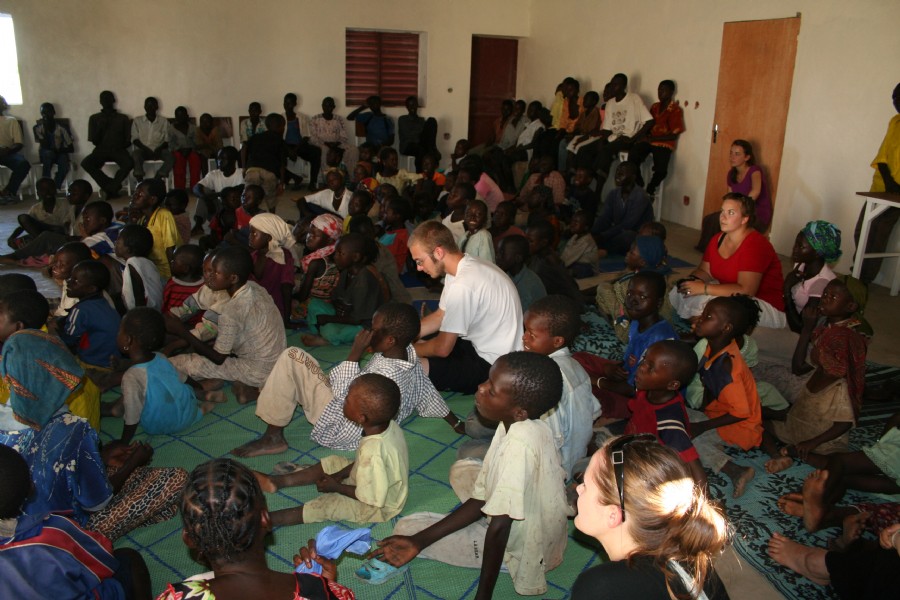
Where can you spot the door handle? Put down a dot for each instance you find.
(715, 132)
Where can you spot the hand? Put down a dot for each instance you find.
(360, 343)
(142, 454)
(328, 484)
(308, 554)
(889, 537)
(396, 550)
(698, 429)
(115, 453)
(692, 287)
(809, 316)
(804, 448)
(615, 371)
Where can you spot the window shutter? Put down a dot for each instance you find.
(383, 64)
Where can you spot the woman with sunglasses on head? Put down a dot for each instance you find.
(661, 533)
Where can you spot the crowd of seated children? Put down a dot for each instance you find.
(580, 252)
(271, 240)
(141, 283)
(153, 394)
(512, 258)
(320, 275)
(545, 262)
(176, 202)
(626, 208)
(249, 339)
(187, 277)
(200, 311)
(397, 212)
(477, 241)
(207, 190)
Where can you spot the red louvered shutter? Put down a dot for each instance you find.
(383, 64)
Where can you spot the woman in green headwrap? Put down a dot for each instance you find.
(817, 246)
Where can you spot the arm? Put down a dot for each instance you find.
(440, 345)
(755, 184)
(137, 287)
(803, 449)
(799, 366)
(431, 323)
(352, 116)
(747, 283)
(723, 421)
(259, 265)
(495, 540)
(178, 329)
(316, 268)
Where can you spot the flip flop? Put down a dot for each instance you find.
(286, 468)
(376, 572)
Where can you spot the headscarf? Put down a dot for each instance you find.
(653, 251)
(41, 374)
(824, 238)
(860, 294)
(332, 227)
(279, 232)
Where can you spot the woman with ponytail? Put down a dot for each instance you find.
(661, 533)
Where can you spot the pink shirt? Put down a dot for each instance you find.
(490, 191)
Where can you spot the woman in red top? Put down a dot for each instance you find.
(739, 260)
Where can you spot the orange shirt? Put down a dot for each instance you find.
(728, 380)
(567, 121)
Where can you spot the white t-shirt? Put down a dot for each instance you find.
(481, 305)
(325, 199)
(217, 181)
(149, 274)
(527, 135)
(457, 228)
(625, 117)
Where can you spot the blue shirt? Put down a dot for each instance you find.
(378, 127)
(90, 330)
(639, 341)
(623, 213)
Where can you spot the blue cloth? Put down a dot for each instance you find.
(653, 251)
(50, 556)
(332, 541)
(90, 330)
(66, 467)
(639, 341)
(378, 127)
(292, 133)
(170, 405)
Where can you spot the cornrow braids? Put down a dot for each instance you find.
(220, 508)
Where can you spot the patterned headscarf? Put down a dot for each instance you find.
(653, 251)
(331, 226)
(825, 239)
(278, 230)
(41, 374)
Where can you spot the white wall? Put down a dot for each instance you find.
(218, 56)
(846, 67)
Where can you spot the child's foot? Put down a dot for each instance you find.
(795, 557)
(207, 407)
(112, 409)
(310, 340)
(740, 477)
(853, 528)
(774, 465)
(244, 393)
(210, 385)
(261, 447)
(791, 504)
(265, 482)
(814, 499)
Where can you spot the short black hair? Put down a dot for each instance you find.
(620, 76)
(387, 151)
(466, 190)
(517, 245)
(356, 242)
(593, 95)
(743, 312)
(145, 325)
(381, 399)
(46, 181)
(400, 321)
(236, 260)
(561, 314)
(231, 152)
(667, 83)
(156, 188)
(537, 381)
(27, 307)
(14, 282)
(273, 121)
(684, 360)
(256, 104)
(402, 206)
(78, 250)
(193, 253)
(362, 225)
(291, 95)
(542, 228)
(386, 190)
(137, 239)
(256, 191)
(656, 228)
(178, 195)
(96, 273)
(15, 482)
(101, 208)
(655, 280)
(84, 185)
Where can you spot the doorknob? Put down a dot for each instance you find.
(715, 132)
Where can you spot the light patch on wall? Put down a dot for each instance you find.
(10, 86)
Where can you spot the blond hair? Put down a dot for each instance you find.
(668, 516)
(431, 234)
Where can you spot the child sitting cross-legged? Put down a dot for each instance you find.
(374, 485)
(200, 310)
(227, 525)
(141, 283)
(271, 241)
(731, 410)
(153, 394)
(359, 291)
(50, 214)
(580, 253)
(91, 326)
(478, 241)
(187, 277)
(518, 487)
(250, 333)
(298, 380)
(828, 405)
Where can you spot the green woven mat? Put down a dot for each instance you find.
(432, 449)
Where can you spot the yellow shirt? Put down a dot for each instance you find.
(165, 235)
(889, 154)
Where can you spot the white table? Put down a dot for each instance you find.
(876, 203)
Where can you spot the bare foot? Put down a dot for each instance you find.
(261, 447)
(813, 499)
(740, 482)
(244, 393)
(313, 340)
(215, 396)
(791, 504)
(211, 385)
(853, 528)
(774, 465)
(809, 562)
(112, 409)
(265, 482)
(207, 407)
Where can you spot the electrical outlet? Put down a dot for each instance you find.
(687, 200)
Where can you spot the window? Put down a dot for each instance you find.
(10, 87)
(381, 63)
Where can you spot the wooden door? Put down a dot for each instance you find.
(754, 92)
(493, 80)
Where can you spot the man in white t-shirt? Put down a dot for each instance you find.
(479, 317)
(625, 122)
(207, 189)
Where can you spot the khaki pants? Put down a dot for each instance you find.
(296, 379)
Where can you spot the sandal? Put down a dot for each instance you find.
(376, 572)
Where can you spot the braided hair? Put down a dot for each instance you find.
(220, 507)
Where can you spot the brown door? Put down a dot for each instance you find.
(754, 93)
(494, 63)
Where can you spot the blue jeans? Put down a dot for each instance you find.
(19, 166)
(52, 157)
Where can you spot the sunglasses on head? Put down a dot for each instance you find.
(617, 457)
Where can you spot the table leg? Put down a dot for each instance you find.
(872, 211)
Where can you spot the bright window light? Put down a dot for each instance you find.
(10, 86)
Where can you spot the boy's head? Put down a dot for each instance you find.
(580, 223)
(354, 249)
(328, 105)
(647, 252)
(389, 158)
(540, 198)
(724, 317)
(79, 192)
(394, 324)
(653, 228)
(46, 188)
(275, 122)
(540, 236)
(251, 198)
(360, 203)
(143, 328)
(626, 174)
(88, 277)
(67, 257)
(151, 106)
(385, 192)
(533, 110)
(363, 225)
(423, 205)
(838, 301)
(666, 90)
(181, 114)
(747, 318)
(176, 201)
(475, 215)
(372, 399)
(16, 282)
(461, 194)
(519, 108)
(430, 162)
(48, 111)
(96, 217)
(461, 148)
(226, 158)
(334, 156)
(290, 101)
(520, 386)
(16, 483)
(551, 323)
(619, 83)
(206, 122)
(506, 108)
(667, 365)
(591, 99)
(254, 109)
(645, 294)
(231, 197)
(367, 151)
(148, 194)
(504, 215)
(412, 104)
(512, 253)
(107, 100)
(583, 177)
(23, 309)
(187, 262)
(397, 211)
(374, 103)
(134, 240)
(231, 268)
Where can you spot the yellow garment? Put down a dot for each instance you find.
(165, 235)
(83, 402)
(889, 154)
(556, 109)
